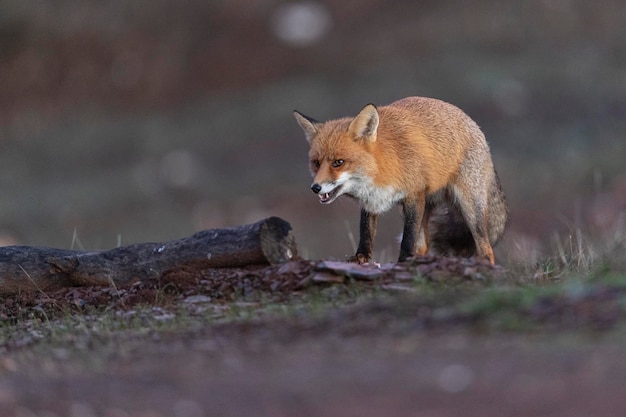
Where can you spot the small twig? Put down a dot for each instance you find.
(76, 240)
(351, 236)
(37, 286)
(33, 281)
(112, 284)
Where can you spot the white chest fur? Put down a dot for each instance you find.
(373, 198)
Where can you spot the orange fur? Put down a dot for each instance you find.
(418, 152)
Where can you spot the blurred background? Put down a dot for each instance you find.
(147, 120)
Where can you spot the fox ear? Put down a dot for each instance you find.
(365, 124)
(307, 124)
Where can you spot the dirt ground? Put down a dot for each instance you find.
(366, 346)
(373, 374)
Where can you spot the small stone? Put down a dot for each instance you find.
(404, 276)
(367, 272)
(197, 299)
(398, 288)
(326, 277)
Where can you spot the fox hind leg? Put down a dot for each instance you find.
(481, 237)
(422, 244)
(474, 209)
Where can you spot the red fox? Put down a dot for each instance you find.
(423, 153)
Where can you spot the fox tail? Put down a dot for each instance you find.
(449, 233)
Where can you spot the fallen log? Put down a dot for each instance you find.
(26, 268)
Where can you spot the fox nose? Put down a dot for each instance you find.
(316, 188)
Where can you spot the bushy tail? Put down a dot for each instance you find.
(449, 234)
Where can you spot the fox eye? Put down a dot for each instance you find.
(337, 163)
(316, 163)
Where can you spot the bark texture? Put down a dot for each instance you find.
(25, 268)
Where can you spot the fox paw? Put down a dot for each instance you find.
(359, 258)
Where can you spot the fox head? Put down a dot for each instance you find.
(340, 154)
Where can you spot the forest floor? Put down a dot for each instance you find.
(437, 337)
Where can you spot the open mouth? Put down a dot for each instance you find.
(326, 198)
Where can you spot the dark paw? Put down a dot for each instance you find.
(359, 258)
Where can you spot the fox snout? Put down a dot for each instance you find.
(327, 191)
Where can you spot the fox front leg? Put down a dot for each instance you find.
(367, 232)
(413, 212)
